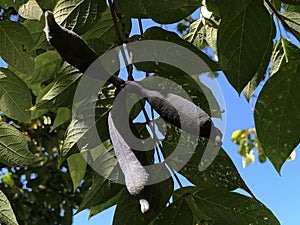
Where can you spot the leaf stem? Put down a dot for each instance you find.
(277, 14)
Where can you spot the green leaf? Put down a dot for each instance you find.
(221, 208)
(6, 4)
(251, 86)
(167, 11)
(177, 213)
(63, 115)
(196, 34)
(101, 193)
(78, 15)
(47, 5)
(293, 20)
(157, 33)
(259, 75)
(7, 215)
(30, 10)
(240, 50)
(292, 2)
(36, 30)
(77, 168)
(291, 8)
(276, 114)
(13, 147)
(220, 173)
(104, 28)
(128, 210)
(46, 66)
(62, 91)
(82, 121)
(211, 34)
(101, 207)
(283, 53)
(15, 97)
(16, 43)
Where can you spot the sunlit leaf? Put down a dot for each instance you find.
(78, 15)
(30, 10)
(7, 215)
(284, 52)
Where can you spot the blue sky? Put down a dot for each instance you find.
(280, 193)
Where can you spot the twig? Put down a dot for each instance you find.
(119, 39)
(277, 14)
(141, 26)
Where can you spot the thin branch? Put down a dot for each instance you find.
(277, 14)
(114, 18)
(141, 26)
(119, 39)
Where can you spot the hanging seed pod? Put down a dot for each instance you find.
(135, 174)
(179, 112)
(73, 49)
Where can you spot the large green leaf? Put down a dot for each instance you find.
(277, 112)
(218, 208)
(16, 43)
(15, 97)
(77, 168)
(220, 173)
(13, 147)
(259, 75)
(157, 33)
(7, 215)
(167, 11)
(240, 50)
(78, 15)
